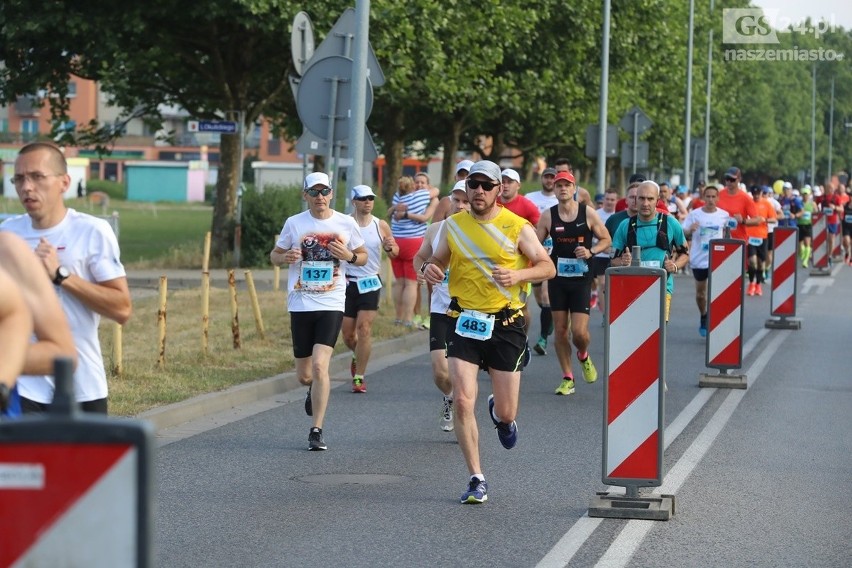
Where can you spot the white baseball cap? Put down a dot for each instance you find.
(362, 191)
(317, 178)
(460, 186)
(464, 165)
(511, 174)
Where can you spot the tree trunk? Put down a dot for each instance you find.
(394, 147)
(226, 197)
(451, 147)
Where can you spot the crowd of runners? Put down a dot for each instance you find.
(477, 257)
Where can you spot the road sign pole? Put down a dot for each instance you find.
(358, 95)
(635, 139)
(332, 106)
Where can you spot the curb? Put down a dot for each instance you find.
(206, 404)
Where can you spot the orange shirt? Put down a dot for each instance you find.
(767, 211)
(741, 203)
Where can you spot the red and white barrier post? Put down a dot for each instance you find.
(784, 277)
(634, 396)
(725, 315)
(819, 243)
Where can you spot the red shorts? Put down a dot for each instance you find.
(403, 263)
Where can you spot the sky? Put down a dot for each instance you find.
(837, 11)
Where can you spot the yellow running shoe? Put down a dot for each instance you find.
(566, 388)
(589, 371)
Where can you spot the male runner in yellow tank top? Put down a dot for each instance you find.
(491, 253)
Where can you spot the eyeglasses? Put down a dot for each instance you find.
(314, 192)
(485, 185)
(729, 180)
(37, 178)
(367, 198)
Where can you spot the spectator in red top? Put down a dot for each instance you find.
(739, 205)
(522, 207)
(514, 201)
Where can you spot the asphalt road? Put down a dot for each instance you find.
(761, 476)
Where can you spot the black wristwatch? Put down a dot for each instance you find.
(354, 258)
(62, 274)
(4, 397)
(423, 267)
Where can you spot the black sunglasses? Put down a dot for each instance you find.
(485, 185)
(314, 192)
(367, 198)
(730, 179)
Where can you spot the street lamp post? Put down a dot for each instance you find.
(707, 109)
(687, 140)
(602, 117)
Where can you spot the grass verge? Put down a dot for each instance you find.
(188, 371)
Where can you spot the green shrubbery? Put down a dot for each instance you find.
(263, 216)
(115, 189)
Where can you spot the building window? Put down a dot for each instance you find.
(4, 124)
(72, 89)
(274, 147)
(29, 126)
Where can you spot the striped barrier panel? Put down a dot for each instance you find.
(725, 309)
(75, 488)
(819, 243)
(782, 300)
(724, 345)
(635, 374)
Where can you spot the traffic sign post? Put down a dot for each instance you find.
(634, 394)
(724, 349)
(75, 488)
(635, 122)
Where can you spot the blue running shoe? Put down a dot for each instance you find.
(507, 433)
(477, 492)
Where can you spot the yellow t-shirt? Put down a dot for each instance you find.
(477, 247)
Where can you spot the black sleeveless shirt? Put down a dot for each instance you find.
(568, 235)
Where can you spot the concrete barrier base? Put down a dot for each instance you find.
(724, 381)
(619, 506)
(783, 323)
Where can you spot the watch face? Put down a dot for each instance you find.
(63, 272)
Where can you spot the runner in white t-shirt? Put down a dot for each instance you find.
(702, 225)
(80, 255)
(601, 260)
(314, 243)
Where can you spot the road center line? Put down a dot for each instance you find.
(630, 538)
(571, 541)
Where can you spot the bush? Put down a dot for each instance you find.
(263, 216)
(115, 189)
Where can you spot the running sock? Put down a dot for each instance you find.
(358, 378)
(546, 319)
(751, 274)
(478, 476)
(582, 356)
(568, 376)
